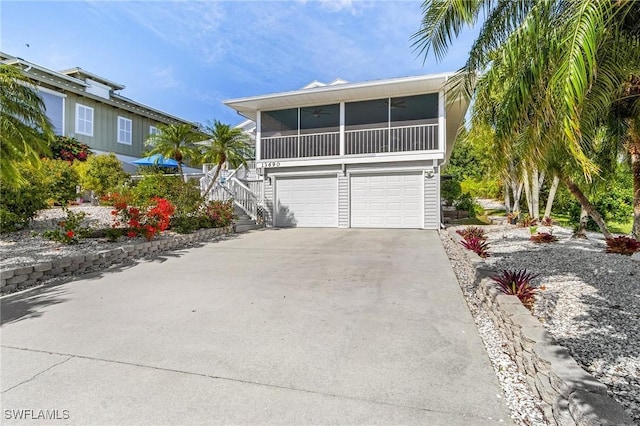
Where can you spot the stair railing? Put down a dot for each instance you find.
(230, 187)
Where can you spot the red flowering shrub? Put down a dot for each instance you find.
(70, 230)
(147, 222)
(219, 213)
(69, 149)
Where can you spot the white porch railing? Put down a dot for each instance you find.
(363, 141)
(393, 139)
(298, 146)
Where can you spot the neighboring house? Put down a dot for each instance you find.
(89, 108)
(353, 154)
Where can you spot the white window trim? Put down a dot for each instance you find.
(78, 131)
(130, 132)
(151, 133)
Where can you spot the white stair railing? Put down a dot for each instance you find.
(230, 187)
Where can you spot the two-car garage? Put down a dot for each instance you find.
(372, 200)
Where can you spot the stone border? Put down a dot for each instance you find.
(27, 276)
(569, 394)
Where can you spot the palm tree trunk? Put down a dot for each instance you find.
(634, 153)
(581, 232)
(180, 170)
(507, 198)
(552, 195)
(535, 193)
(587, 206)
(214, 180)
(527, 191)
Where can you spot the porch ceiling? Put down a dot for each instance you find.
(330, 94)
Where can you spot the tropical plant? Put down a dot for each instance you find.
(472, 232)
(517, 283)
(227, 145)
(556, 67)
(60, 181)
(25, 129)
(476, 245)
(102, 174)
(175, 141)
(622, 245)
(69, 230)
(148, 221)
(20, 204)
(544, 237)
(69, 149)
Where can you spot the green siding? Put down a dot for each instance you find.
(105, 126)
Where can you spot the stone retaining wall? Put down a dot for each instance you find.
(27, 276)
(570, 395)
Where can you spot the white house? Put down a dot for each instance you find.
(359, 155)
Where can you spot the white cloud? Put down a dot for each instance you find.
(165, 78)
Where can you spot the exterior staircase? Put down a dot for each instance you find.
(244, 187)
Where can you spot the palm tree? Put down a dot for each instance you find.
(175, 141)
(25, 129)
(228, 145)
(544, 56)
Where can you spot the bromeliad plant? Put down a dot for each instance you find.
(517, 283)
(472, 231)
(69, 230)
(623, 245)
(544, 237)
(476, 245)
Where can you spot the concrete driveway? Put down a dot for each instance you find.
(296, 326)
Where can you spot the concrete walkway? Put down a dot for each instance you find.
(297, 326)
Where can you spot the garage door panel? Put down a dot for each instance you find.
(307, 202)
(386, 201)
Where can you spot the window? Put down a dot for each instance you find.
(124, 130)
(54, 106)
(153, 131)
(84, 120)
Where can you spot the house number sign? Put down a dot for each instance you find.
(270, 164)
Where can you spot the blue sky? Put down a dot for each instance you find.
(185, 58)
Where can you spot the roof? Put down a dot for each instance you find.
(86, 74)
(69, 76)
(338, 91)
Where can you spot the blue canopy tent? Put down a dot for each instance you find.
(156, 160)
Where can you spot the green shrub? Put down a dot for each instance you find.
(482, 188)
(19, 205)
(450, 191)
(102, 174)
(60, 181)
(466, 203)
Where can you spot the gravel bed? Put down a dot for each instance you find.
(589, 301)
(28, 247)
(524, 406)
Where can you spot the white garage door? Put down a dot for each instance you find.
(386, 201)
(307, 201)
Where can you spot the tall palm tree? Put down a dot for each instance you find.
(25, 129)
(228, 145)
(175, 141)
(563, 61)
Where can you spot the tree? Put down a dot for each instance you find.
(227, 145)
(25, 130)
(563, 63)
(175, 141)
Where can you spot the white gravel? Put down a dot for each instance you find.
(589, 302)
(524, 406)
(28, 247)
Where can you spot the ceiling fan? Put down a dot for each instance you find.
(317, 112)
(398, 103)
